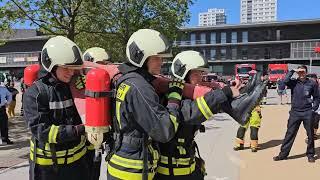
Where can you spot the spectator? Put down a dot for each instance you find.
(305, 100)
(12, 105)
(5, 99)
(281, 89)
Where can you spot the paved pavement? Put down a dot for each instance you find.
(216, 148)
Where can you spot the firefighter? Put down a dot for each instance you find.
(140, 119)
(58, 147)
(96, 55)
(254, 124)
(178, 158)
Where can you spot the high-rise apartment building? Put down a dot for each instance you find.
(255, 11)
(212, 17)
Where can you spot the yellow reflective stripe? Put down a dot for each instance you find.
(122, 91)
(155, 155)
(131, 163)
(182, 150)
(118, 105)
(127, 164)
(127, 175)
(204, 108)
(177, 171)
(52, 137)
(90, 147)
(181, 161)
(59, 153)
(174, 122)
(46, 162)
(180, 140)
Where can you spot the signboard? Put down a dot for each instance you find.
(18, 59)
(32, 59)
(3, 60)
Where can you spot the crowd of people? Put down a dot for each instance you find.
(152, 134)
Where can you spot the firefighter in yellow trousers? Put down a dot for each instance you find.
(254, 124)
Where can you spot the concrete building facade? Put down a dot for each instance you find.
(255, 11)
(212, 17)
(224, 46)
(20, 48)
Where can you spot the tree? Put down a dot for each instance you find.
(127, 16)
(104, 23)
(62, 17)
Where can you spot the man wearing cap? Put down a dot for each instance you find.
(305, 100)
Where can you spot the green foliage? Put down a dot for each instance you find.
(104, 23)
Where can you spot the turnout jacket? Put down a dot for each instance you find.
(140, 122)
(178, 156)
(51, 115)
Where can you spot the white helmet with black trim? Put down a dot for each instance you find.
(145, 43)
(60, 51)
(96, 54)
(186, 61)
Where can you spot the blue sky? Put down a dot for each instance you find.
(287, 9)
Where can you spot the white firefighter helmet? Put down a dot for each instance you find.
(60, 51)
(145, 43)
(95, 54)
(186, 61)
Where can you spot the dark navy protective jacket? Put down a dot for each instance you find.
(304, 94)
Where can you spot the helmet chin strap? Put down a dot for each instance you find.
(54, 72)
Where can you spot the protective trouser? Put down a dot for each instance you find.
(195, 175)
(70, 164)
(316, 122)
(4, 123)
(294, 122)
(254, 123)
(11, 108)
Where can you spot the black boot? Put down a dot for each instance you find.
(243, 105)
(239, 147)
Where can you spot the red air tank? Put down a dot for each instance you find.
(98, 105)
(31, 74)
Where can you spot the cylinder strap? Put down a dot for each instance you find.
(94, 94)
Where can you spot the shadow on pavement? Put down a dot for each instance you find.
(317, 150)
(270, 144)
(16, 145)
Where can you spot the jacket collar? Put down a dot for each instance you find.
(127, 68)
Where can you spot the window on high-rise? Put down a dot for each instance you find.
(193, 39)
(234, 53)
(212, 54)
(213, 38)
(202, 38)
(234, 38)
(223, 37)
(244, 53)
(245, 36)
(223, 53)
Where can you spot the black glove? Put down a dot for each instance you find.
(79, 129)
(175, 90)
